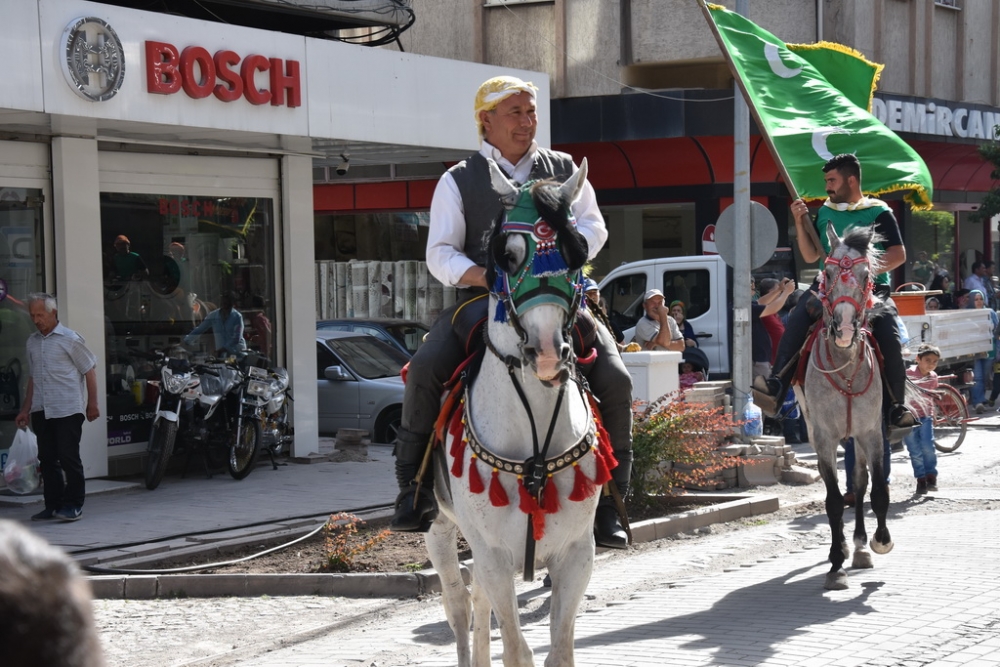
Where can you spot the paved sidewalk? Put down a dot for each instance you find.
(919, 606)
(121, 513)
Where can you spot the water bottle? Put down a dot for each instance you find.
(753, 420)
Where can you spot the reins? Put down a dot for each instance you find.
(535, 467)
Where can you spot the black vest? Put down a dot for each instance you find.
(482, 204)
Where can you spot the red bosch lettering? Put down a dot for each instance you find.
(225, 75)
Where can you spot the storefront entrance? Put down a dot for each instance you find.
(171, 249)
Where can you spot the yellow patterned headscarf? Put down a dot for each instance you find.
(496, 90)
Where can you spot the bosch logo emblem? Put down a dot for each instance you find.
(93, 59)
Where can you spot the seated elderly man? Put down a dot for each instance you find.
(657, 329)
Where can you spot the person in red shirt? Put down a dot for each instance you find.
(773, 290)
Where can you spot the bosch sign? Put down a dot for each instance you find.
(225, 75)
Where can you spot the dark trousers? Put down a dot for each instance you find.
(809, 309)
(442, 352)
(59, 454)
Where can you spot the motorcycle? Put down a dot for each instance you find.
(266, 400)
(202, 404)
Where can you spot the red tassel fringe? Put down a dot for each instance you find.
(538, 526)
(601, 472)
(583, 488)
(475, 481)
(498, 495)
(550, 497)
(458, 453)
(527, 503)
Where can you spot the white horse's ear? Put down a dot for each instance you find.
(831, 236)
(570, 190)
(504, 187)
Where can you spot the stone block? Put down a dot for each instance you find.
(757, 471)
(107, 587)
(141, 587)
(799, 475)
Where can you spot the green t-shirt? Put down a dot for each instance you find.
(868, 213)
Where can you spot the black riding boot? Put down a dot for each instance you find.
(415, 510)
(608, 529)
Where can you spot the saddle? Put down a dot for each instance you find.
(807, 347)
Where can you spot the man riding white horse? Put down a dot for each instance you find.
(463, 210)
(846, 208)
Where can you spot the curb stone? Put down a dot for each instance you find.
(394, 585)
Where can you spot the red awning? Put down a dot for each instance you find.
(709, 160)
(955, 166)
(680, 161)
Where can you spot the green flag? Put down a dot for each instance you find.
(808, 118)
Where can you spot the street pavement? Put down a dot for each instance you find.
(752, 596)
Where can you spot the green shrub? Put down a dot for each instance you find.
(674, 431)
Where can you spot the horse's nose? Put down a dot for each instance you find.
(565, 350)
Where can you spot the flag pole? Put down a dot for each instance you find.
(810, 228)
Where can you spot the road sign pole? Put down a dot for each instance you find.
(742, 358)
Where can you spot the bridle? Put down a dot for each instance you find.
(848, 281)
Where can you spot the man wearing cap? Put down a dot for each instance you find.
(657, 329)
(600, 313)
(463, 210)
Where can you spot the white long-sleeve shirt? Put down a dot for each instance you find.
(446, 257)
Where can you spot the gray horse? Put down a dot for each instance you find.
(841, 395)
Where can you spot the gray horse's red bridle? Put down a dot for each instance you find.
(846, 275)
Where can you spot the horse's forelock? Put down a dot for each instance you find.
(551, 207)
(864, 241)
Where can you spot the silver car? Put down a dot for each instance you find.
(358, 384)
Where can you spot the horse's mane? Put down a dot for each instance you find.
(865, 242)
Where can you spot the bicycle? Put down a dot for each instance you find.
(951, 415)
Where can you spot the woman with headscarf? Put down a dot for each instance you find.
(679, 312)
(945, 299)
(982, 367)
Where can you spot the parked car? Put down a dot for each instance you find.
(358, 384)
(404, 335)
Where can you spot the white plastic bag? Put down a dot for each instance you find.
(21, 472)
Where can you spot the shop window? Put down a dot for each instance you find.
(168, 260)
(930, 241)
(385, 237)
(22, 272)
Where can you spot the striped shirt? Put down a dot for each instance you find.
(57, 364)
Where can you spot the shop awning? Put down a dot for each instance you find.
(956, 167)
(677, 161)
(708, 160)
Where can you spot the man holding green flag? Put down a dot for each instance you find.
(845, 208)
(812, 102)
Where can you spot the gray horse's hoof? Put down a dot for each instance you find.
(880, 548)
(862, 560)
(836, 581)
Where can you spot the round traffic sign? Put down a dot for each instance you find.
(763, 235)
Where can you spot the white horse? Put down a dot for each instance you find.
(841, 396)
(525, 405)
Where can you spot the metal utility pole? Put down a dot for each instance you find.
(742, 358)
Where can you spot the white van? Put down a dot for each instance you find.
(699, 281)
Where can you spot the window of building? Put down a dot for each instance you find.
(22, 272)
(385, 237)
(168, 260)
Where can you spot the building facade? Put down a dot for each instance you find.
(641, 89)
(150, 163)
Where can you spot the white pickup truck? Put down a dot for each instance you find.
(703, 283)
(962, 335)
